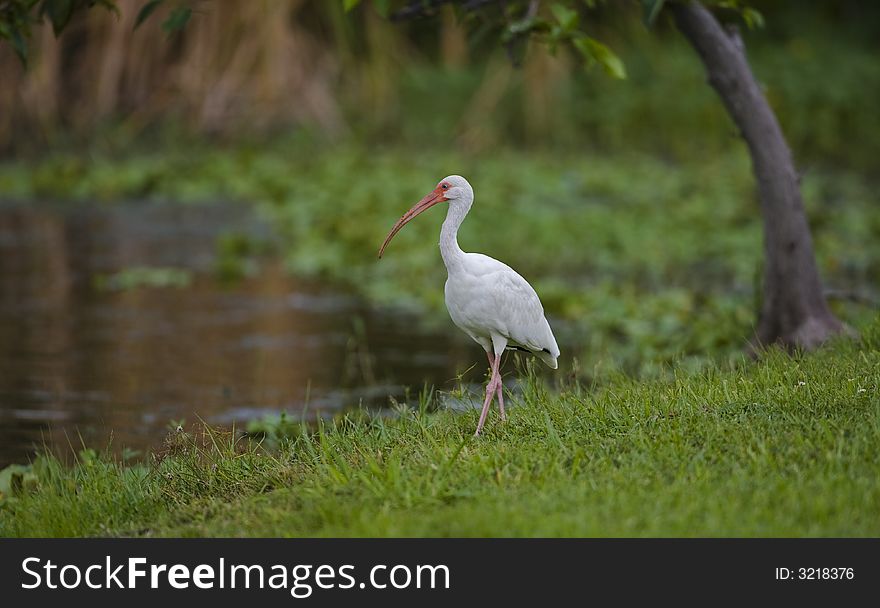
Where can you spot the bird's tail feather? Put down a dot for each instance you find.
(547, 358)
(543, 355)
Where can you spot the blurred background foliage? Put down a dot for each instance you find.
(628, 203)
(245, 69)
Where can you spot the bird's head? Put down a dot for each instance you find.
(453, 189)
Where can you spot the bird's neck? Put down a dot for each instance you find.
(449, 249)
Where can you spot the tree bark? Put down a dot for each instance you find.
(794, 311)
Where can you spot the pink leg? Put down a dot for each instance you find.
(490, 392)
(500, 391)
(491, 389)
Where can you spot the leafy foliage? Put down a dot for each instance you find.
(651, 9)
(146, 10)
(177, 20)
(752, 17)
(18, 16)
(15, 23)
(551, 23)
(629, 284)
(594, 50)
(519, 20)
(178, 16)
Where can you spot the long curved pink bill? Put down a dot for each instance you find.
(426, 203)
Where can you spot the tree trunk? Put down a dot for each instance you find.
(794, 311)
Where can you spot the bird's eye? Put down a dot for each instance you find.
(444, 186)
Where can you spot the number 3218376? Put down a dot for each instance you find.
(815, 574)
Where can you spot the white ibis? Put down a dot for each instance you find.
(487, 299)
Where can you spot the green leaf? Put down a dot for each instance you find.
(753, 18)
(177, 20)
(524, 27)
(349, 5)
(650, 10)
(110, 5)
(593, 50)
(567, 18)
(59, 12)
(15, 479)
(146, 10)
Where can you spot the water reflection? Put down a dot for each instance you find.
(78, 361)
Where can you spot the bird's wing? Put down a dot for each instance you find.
(510, 306)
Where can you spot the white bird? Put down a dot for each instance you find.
(487, 299)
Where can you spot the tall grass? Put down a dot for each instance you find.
(239, 65)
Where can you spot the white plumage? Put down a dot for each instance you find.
(489, 301)
(486, 298)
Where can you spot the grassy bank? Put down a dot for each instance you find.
(786, 446)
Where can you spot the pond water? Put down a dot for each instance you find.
(79, 363)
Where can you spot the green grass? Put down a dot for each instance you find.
(783, 447)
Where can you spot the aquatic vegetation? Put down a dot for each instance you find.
(143, 276)
(639, 261)
(781, 447)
